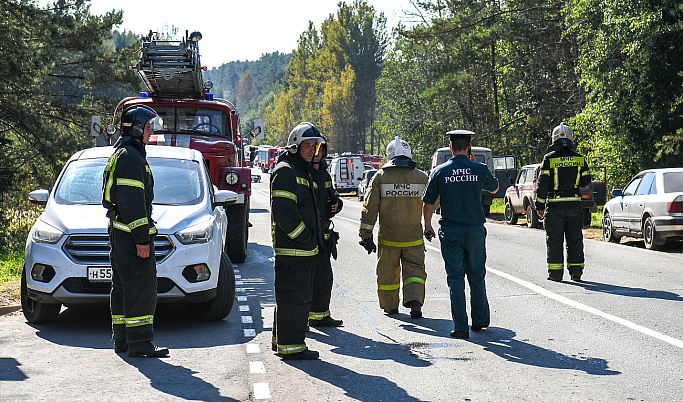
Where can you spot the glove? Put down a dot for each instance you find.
(368, 244)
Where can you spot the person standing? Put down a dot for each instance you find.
(394, 193)
(127, 194)
(297, 238)
(330, 204)
(558, 202)
(458, 184)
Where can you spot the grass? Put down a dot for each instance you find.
(11, 264)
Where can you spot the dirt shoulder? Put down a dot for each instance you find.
(10, 293)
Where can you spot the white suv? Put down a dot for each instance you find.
(67, 250)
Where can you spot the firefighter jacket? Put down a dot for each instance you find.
(562, 173)
(395, 193)
(294, 207)
(323, 183)
(128, 191)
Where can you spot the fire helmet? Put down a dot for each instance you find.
(134, 120)
(303, 131)
(562, 131)
(398, 147)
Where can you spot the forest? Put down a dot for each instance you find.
(509, 70)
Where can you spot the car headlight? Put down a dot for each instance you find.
(199, 233)
(44, 233)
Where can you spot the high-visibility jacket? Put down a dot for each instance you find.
(294, 206)
(395, 193)
(562, 173)
(128, 191)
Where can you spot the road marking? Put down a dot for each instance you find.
(238, 276)
(253, 348)
(261, 390)
(242, 298)
(249, 332)
(580, 306)
(257, 368)
(239, 283)
(246, 319)
(240, 290)
(244, 308)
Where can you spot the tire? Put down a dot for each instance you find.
(220, 306)
(650, 235)
(510, 215)
(531, 217)
(586, 217)
(36, 312)
(237, 236)
(608, 229)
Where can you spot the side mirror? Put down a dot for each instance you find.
(224, 197)
(617, 193)
(38, 197)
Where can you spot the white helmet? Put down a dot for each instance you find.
(562, 131)
(402, 149)
(304, 131)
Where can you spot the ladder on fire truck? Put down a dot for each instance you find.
(171, 68)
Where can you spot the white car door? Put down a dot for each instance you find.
(619, 211)
(637, 202)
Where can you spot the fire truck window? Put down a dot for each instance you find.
(189, 119)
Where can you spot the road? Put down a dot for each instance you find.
(615, 337)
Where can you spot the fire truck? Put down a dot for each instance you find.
(191, 117)
(266, 157)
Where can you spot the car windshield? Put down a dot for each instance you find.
(176, 182)
(192, 120)
(673, 182)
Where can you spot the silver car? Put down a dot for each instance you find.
(650, 206)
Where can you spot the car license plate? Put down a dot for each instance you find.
(99, 274)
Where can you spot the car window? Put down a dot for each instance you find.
(530, 176)
(522, 176)
(632, 186)
(673, 182)
(81, 182)
(176, 181)
(645, 184)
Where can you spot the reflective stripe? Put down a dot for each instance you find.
(413, 279)
(137, 321)
(562, 199)
(296, 253)
(566, 161)
(137, 223)
(130, 182)
(366, 226)
(574, 265)
(117, 319)
(547, 172)
(147, 169)
(556, 182)
(283, 194)
(540, 200)
(328, 184)
(303, 181)
(318, 316)
(326, 236)
(389, 287)
(121, 226)
(110, 167)
(297, 231)
(400, 243)
(127, 228)
(289, 349)
(315, 185)
(555, 266)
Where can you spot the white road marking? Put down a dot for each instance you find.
(242, 298)
(240, 290)
(261, 390)
(246, 319)
(239, 283)
(238, 276)
(253, 348)
(244, 308)
(257, 367)
(249, 332)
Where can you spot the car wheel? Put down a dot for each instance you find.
(510, 215)
(608, 229)
(36, 312)
(219, 307)
(531, 217)
(237, 236)
(650, 235)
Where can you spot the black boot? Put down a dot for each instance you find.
(145, 349)
(415, 309)
(305, 355)
(326, 322)
(120, 346)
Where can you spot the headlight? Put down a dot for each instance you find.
(232, 178)
(44, 233)
(199, 233)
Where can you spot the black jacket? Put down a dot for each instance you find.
(563, 171)
(128, 191)
(327, 195)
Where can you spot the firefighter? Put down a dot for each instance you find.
(394, 192)
(297, 240)
(330, 204)
(458, 184)
(127, 193)
(558, 202)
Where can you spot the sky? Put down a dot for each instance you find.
(237, 30)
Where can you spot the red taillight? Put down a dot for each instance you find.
(675, 207)
(586, 196)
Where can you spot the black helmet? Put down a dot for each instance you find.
(134, 120)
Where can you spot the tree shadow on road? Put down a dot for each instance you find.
(627, 291)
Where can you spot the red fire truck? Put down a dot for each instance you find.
(192, 118)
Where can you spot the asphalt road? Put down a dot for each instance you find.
(615, 337)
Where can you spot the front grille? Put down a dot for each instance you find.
(94, 249)
(83, 285)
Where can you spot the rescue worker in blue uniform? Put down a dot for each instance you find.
(330, 204)
(558, 202)
(127, 194)
(458, 184)
(297, 240)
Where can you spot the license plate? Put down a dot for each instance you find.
(99, 274)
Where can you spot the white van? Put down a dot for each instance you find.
(346, 172)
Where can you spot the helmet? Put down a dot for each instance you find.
(304, 131)
(398, 147)
(134, 120)
(562, 131)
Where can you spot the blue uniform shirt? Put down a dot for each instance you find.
(459, 183)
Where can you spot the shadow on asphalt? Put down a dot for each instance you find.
(10, 371)
(627, 291)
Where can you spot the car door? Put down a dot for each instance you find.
(619, 211)
(636, 202)
(515, 194)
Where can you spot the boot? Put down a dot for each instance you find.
(415, 309)
(120, 346)
(305, 355)
(326, 322)
(145, 349)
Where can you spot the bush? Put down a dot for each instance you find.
(10, 265)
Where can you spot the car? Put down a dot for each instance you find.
(649, 207)
(364, 183)
(67, 249)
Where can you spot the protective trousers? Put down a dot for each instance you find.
(391, 263)
(322, 287)
(293, 277)
(134, 289)
(463, 248)
(564, 222)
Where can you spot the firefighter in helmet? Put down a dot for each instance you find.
(394, 193)
(297, 240)
(558, 202)
(127, 193)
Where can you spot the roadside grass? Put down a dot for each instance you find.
(11, 263)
